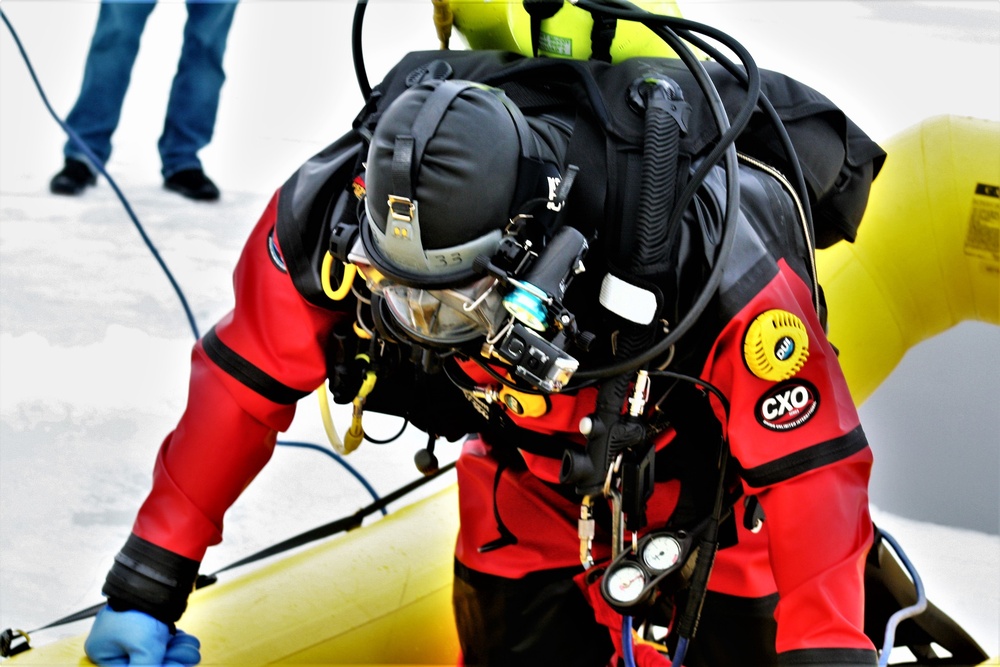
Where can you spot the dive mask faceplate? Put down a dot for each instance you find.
(491, 308)
(446, 316)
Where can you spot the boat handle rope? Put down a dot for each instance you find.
(10, 636)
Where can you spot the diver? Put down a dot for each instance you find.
(629, 343)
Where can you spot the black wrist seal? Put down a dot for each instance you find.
(150, 579)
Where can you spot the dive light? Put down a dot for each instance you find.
(535, 304)
(547, 279)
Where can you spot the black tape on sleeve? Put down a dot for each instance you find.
(828, 657)
(232, 363)
(807, 459)
(150, 579)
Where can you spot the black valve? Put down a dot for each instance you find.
(539, 10)
(425, 460)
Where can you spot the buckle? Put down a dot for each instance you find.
(401, 208)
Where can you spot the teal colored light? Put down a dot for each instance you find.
(527, 308)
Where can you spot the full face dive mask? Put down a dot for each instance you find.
(451, 242)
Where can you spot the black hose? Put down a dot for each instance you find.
(708, 544)
(798, 178)
(708, 547)
(724, 148)
(357, 49)
(661, 142)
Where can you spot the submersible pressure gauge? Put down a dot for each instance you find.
(661, 552)
(657, 563)
(624, 584)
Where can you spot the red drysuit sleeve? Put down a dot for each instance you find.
(802, 452)
(246, 375)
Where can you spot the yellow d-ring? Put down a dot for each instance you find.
(345, 283)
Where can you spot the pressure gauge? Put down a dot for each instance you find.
(625, 583)
(661, 552)
(654, 566)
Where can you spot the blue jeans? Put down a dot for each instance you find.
(194, 95)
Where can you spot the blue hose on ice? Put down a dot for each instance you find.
(339, 459)
(145, 237)
(94, 160)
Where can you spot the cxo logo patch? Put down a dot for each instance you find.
(788, 405)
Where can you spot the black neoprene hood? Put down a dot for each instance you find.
(465, 174)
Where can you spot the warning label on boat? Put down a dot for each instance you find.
(983, 237)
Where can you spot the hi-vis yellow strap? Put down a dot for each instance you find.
(345, 283)
(355, 433)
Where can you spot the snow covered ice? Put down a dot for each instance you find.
(94, 345)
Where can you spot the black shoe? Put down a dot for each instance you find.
(193, 184)
(73, 178)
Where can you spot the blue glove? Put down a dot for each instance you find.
(121, 638)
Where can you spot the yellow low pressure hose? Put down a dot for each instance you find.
(328, 426)
(356, 433)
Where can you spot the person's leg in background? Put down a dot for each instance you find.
(106, 77)
(194, 99)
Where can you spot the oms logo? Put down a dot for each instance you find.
(787, 405)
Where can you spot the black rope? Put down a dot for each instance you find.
(9, 636)
(340, 525)
(357, 49)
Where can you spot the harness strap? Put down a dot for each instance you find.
(506, 538)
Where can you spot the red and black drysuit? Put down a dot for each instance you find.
(521, 595)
